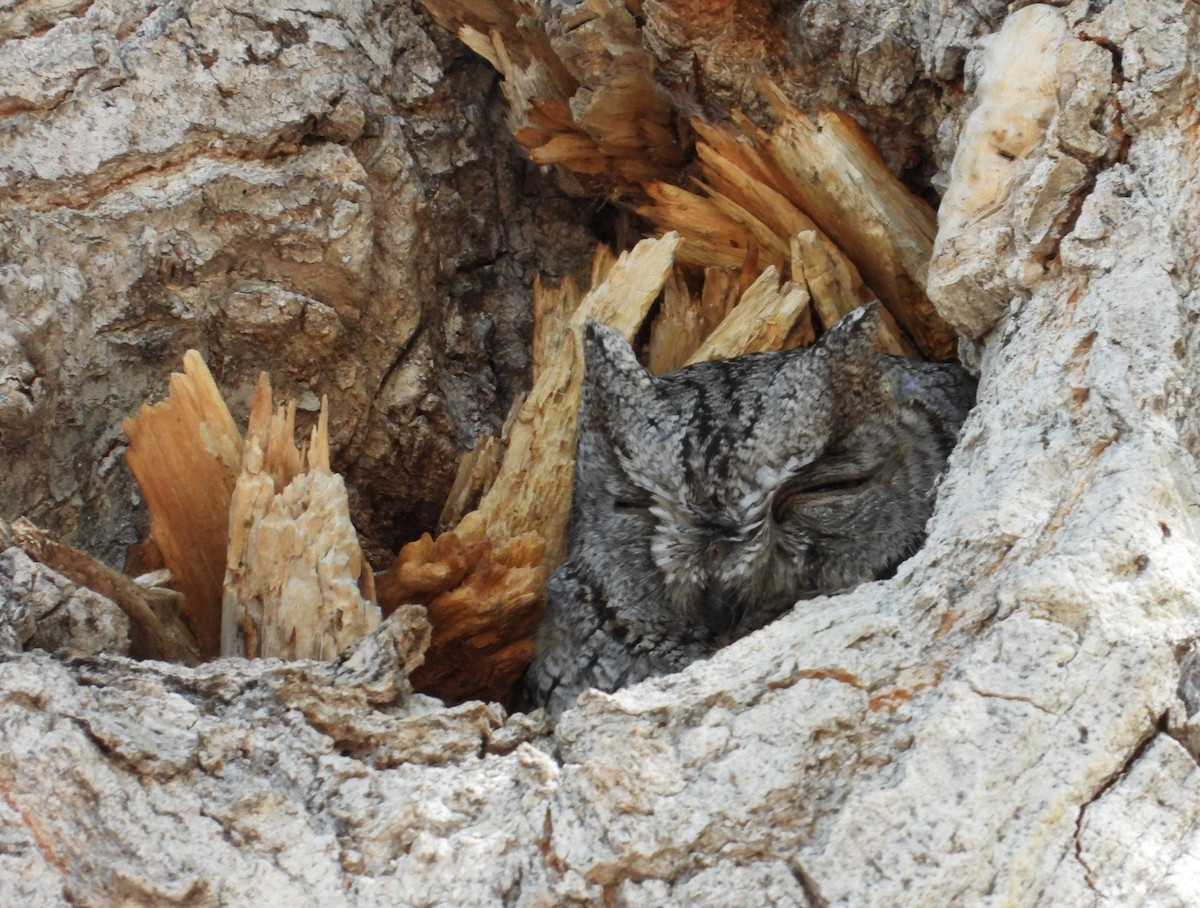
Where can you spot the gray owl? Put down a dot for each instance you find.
(708, 501)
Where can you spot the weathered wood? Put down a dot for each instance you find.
(184, 453)
(827, 183)
(296, 585)
(836, 290)
(483, 604)
(762, 320)
(1021, 164)
(683, 321)
(709, 237)
(156, 629)
(839, 180)
(616, 135)
(533, 488)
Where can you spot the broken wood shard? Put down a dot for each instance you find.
(184, 453)
(532, 491)
(762, 320)
(483, 602)
(614, 135)
(683, 321)
(156, 629)
(582, 95)
(834, 173)
(297, 585)
(821, 180)
(709, 236)
(836, 292)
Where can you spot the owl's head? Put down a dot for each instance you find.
(713, 498)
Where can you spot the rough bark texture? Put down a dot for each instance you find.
(322, 190)
(1006, 722)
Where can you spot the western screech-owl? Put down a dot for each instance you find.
(708, 501)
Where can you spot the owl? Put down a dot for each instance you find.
(709, 501)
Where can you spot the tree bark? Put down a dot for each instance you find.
(1011, 720)
(329, 195)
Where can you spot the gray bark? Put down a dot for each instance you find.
(1005, 722)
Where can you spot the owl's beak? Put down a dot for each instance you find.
(722, 611)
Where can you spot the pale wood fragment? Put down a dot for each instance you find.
(773, 246)
(603, 260)
(477, 469)
(678, 328)
(828, 279)
(835, 292)
(184, 453)
(552, 310)
(710, 237)
(720, 293)
(823, 179)
(770, 206)
(837, 177)
(740, 145)
(761, 321)
(533, 488)
(296, 585)
(156, 629)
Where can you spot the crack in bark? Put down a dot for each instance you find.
(1139, 749)
(812, 891)
(80, 193)
(1013, 698)
(1120, 154)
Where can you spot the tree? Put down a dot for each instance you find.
(1009, 720)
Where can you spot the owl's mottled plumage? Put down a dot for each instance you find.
(708, 501)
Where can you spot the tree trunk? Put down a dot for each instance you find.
(328, 193)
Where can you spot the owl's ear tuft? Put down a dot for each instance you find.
(610, 365)
(855, 338)
(619, 394)
(851, 347)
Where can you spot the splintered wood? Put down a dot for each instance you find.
(582, 95)
(296, 586)
(257, 536)
(837, 176)
(684, 321)
(812, 197)
(156, 630)
(184, 453)
(580, 88)
(763, 319)
(533, 487)
(483, 602)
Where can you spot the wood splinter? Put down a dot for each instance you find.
(297, 585)
(156, 629)
(184, 453)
